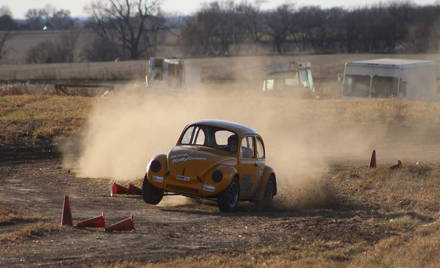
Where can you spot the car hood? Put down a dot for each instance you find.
(195, 161)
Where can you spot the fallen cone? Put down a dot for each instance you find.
(397, 166)
(96, 222)
(124, 225)
(118, 189)
(66, 216)
(134, 190)
(373, 160)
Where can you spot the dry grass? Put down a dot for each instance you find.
(30, 231)
(126, 70)
(26, 225)
(30, 120)
(413, 188)
(9, 215)
(419, 249)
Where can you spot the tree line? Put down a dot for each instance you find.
(129, 29)
(221, 28)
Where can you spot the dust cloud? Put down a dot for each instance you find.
(302, 137)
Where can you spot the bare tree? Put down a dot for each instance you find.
(7, 22)
(4, 38)
(132, 24)
(250, 19)
(213, 29)
(50, 17)
(279, 23)
(50, 51)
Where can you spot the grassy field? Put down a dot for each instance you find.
(36, 120)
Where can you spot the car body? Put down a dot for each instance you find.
(207, 162)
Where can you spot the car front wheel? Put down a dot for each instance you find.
(228, 200)
(152, 195)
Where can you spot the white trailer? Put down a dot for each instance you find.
(383, 78)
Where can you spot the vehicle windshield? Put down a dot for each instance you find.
(357, 86)
(383, 87)
(209, 136)
(288, 80)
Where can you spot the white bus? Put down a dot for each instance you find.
(383, 78)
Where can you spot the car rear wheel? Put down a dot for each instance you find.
(152, 195)
(228, 200)
(269, 192)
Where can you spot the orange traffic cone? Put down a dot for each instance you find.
(96, 222)
(118, 189)
(134, 190)
(124, 225)
(373, 160)
(66, 216)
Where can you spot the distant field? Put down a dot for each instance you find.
(125, 70)
(245, 69)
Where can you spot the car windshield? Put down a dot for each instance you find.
(209, 136)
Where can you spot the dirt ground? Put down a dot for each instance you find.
(166, 233)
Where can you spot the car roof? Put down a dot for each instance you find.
(235, 127)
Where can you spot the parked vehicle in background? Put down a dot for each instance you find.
(383, 78)
(289, 78)
(165, 72)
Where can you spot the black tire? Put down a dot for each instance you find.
(152, 195)
(269, 192)
(228, 200)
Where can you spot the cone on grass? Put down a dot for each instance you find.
(134, 190)
(373, 160)
(66, 215)
(397, 166)
(97, 222)
(118, 189)
(126, 224)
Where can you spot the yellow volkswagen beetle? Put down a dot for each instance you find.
(213, 159)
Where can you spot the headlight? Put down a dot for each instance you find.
(217, 176)
(155, 166)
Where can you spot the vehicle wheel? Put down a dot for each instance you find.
(228, 200)
(266, 202)
(152, 195)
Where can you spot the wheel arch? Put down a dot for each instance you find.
(268, 174)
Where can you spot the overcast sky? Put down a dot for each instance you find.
(19, 7)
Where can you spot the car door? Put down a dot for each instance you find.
(248, 167)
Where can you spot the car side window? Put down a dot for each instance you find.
(200, 136)
(222, 136)
(260, 149)
(247, 148)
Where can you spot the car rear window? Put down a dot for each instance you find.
(210, 137)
